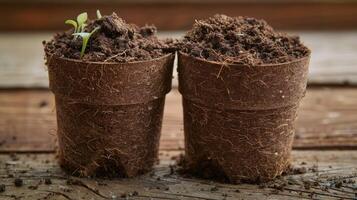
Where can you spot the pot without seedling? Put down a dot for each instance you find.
(239, 118)
(109, 111)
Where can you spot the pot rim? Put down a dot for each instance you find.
(307, 57)
(51, 56)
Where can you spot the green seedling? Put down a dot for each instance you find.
(85, 38)
(98, 14)
(81, 20)
(80, 24)
(73, 23)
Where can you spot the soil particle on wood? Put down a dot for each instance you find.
(135, 193)
(214, 188)
(2, 188)
(71, 181)
(65, 189)
(240, 40)
(33, 187)
(129, 194)
(18, 182)
(338, 184)
(14, 157)
(293, 170)
(48, 181)
(124, 195)
(115, 41)
(43, 103)
(314, 168)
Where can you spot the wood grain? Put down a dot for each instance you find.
(178, 15)
(27, 121)
(333, 178)
(327, 120)
(333, 58)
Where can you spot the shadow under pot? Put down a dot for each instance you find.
(239, 121)
(109, 115)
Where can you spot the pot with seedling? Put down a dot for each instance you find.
(241, 84)
(109, 79)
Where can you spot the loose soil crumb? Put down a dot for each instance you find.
(295, 170)
(2, 188)
(240, 40)
(33, 187)
(214, 188)
(115, 41)
(48, 181)
(14, 157)
(314, 168)
(338, 184)
(18, 182)
(43, 103)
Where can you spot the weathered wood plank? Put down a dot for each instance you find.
(22, 60)
(27, 120)
(327, 120)
(331, 15)
(22, 63)
(333, 58)
(334, 176)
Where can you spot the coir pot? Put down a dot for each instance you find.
(109, 115)
(239, 121)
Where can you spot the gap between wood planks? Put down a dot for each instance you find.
(327, 120)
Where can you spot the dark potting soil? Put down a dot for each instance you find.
(115, 41)
(2, 188)
(240, 40)
(18, 182)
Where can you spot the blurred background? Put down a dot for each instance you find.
(328, 117)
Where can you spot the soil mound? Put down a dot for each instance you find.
(240, 40)
(115, 41)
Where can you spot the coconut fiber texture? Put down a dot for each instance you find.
(115, 41)
(240, 40)
(239, 120)
(109, 114)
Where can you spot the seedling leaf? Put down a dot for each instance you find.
(82, 18)
(85, 38)
(99, 15)
(73, 23)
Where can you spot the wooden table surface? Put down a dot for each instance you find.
(325, 142)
